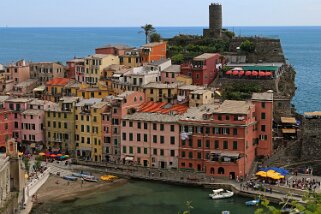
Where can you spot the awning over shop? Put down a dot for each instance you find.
(288, 131)
(40, 88)
(129, 158)
(288, 120)
(227, 154)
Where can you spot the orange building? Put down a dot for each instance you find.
(153, 52)
(55, 88)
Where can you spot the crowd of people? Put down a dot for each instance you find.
(303, 183)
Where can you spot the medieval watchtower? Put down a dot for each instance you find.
(215, 21)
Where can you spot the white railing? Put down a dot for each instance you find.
(32, 187)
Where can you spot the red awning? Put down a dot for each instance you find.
(53, 155)
(228, 72)
(235, 73)
(261, 74)
(241, 73)
(268, 74)
(248, 73)
(255, 73)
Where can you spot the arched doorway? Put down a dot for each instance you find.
(221, 171)
(212, 171)
(3, 149)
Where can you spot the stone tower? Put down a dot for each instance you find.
(215, 21)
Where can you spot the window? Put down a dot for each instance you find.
(161, 152)
(172, 153)
(227, 117)
(234, 145)
(263, 105)
(263, 116)
(145, 125)
(145, 151)
(225, 145)
(130, 124)
(207, 143)
(154, 126)
(234, 131)
(263, 128)
(138, 150)
(190, 155)
(124, 136)
(139, 125)
(190, 142)
(131, 151)
(219, 117)
(131, 138)
(172, 128)
(65, 125)
(183, 154)
(199, 155)
(124, 123)
(138, 137)
(172, 140)
(154, 151)
(162, 127)
(154, 138)
(124, 149)
(145, 137)
(162, 141)
(199, 143)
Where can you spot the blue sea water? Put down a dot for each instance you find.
(302, 47)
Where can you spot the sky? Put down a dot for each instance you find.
(132, 13)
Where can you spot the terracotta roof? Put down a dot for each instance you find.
(58, 81)
(162, 108)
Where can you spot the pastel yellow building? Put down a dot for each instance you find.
(131, 58)
(187, 80)
(200, 97)
(55, 88)
(99, 91)
(88, 129)
(160, 92)
(95, 64)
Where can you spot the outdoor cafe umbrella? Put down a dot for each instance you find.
(268, 74)
(248, 73)
(42, 154)
(59, 155)
(53, 155)
(47, 154)
(241, 73)
(235, 72)
(254, 73)
(261, 73)
(228, 72)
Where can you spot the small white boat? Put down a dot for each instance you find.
(252, 203)
(221, 193)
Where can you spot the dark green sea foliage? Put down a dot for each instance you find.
(240, 91)
(183, 48)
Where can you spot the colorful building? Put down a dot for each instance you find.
(19, 71)
(150, 136)
(222, 140)
(75, 69)
(131, 58)
(201, 97)
(203, 69)
(117, 50)
(153, 52)
(160, 92)
(6, 123)
(60, 126)
(169, 75)
(45, 71)
(55, 88)
(98, 91)
(25, 88)
(95, 64)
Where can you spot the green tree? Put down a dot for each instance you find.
(248, 46)
(155, 37)
(27, 165)
(178, 59)
(148, 29)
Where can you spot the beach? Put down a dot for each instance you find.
(57, 189)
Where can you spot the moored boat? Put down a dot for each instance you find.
(221, 193)
(90, 179)
(70, 178)
(252, 202)
(108, 177)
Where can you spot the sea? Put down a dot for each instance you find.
(302, 47)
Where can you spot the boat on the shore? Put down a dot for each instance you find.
(108, 177)
(90, 179)
(221, 193)
(70, 178)
(252, 202)
(225, 212)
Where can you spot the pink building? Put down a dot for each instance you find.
(168, 75)
(6, 124)
(19, 71)
(120, 106)
(150, 137)
(32, 125)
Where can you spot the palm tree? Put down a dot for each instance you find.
(148, 29)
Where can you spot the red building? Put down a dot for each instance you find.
(154, 51)
(223, 140)
(117, 50)
(203, 69)
(72, 65)
(6, 124)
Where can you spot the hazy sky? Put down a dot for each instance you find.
(30, 13)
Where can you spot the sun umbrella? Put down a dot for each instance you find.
(67, 156)
(228, 72)
(268, 74)
(59, 155)
(261, 74)
(241, 73)
(254, 73)
(47, 154)
(53, 155)
(42, 154)
(235, 72)
(261, 174)
(248, 73)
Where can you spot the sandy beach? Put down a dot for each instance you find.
(57, 189)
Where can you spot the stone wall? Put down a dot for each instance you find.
(311, 139)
